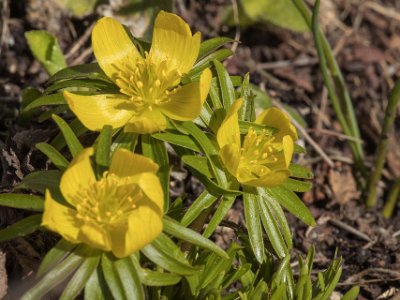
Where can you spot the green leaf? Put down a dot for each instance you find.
(215, 94)
(52, 111)
(96, 287)
(272, 229)
(292, 203)
(282, 13)
(244, 127)
(22, 201)
(209, 46)
(85, 71)
(181, 140)
(21, 228)
(277, 211)
(77, 128)
(130, 279)
(74, 146)
(253, 224)
(153, 278)
(53, 99)
(219, 215)
(55, 276)
(168, 256)
(125, 140)
(156, 150)
(79, 8)
(299, 171)
(206, 62)
(39, 181)
(200, 163)
(174, 228)
(55, 256)
(55, 156)
(352, 294)
(225, 83)
(46, 50)
(80, 278)
(204, 201)
(111, 276)
(83, 85)
(297, 185)
(103, 146)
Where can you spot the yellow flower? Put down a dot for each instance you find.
(120, 212)
(263, 158)
(149, 87)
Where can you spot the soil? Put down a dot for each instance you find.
(365, 36)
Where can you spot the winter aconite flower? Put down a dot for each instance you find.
(262, 159)
(149, 87)
(120, 212)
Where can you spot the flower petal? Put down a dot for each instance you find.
(95, 111)
(276, 118)
(61, 219)
(288, 149)
(186, 103)
(126, 163)
(173, 42)
(95, 237)
(144, 225)
(78, 175)
(271, 179)
(229, 132)
(150, 184)
(113, 48)
(147, 122)
(230, 156)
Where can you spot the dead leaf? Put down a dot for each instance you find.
(343, 185)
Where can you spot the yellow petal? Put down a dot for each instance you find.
(288, 149)
(186, 103)
(95, 111)
(147, 122)
(150, 184)
(113, 47)
(95, 237)
(60, 219)
(126, 163)
(274, 117)
(173, 42)
(78, 175)
(230, 156)
(272, 179)
(144, 225)
(229, 132)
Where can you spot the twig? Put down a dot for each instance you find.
(390, 115)
(5, 14)
(82, 57)
(391, 13)
(80, 42)
(392, 199)
(337, 134)
(350, 229)
(395, 275)
(301, 62)
(307, 137)
(237, 26)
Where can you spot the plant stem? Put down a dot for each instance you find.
(392, 199)
(334, 81)
(390, 115)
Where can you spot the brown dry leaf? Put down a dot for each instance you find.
(3, 275)
(343, 185)
(367, 54)
(393, 154)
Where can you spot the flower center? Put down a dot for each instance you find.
(148, 83)
(107, 202)
(258, 151)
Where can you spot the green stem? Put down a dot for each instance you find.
(390, 115)
(337, 89)
(392, 199)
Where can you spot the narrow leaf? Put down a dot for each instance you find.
(204, 201)
(24, 227)
(22, 201)
(174, 228)
(53, 99)
(54, 155)
(211, 45)
(74, 146)
(225, 83)
(103, 146)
